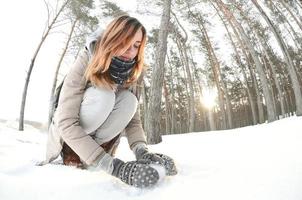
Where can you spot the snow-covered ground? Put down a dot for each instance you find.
(260, 162)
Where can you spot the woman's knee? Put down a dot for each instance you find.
(96, 106)
(94, 95)
(127, 101)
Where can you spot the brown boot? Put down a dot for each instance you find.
(70, 158)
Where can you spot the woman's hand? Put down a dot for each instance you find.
(144, 156)
(135, 173)
(169, 164)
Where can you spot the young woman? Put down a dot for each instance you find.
(99, 100)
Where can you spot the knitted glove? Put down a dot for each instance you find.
(135, 173)
(169, 164)
(151, 158)
(142, 154)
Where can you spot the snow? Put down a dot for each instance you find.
(256, 162)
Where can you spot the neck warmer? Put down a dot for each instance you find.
(120, 70)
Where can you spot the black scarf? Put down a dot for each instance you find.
(120, 70)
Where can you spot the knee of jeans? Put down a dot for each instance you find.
(128, 100)
(98, 95)
(95, 108)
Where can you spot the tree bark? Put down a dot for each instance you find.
(267, 95)
(54, 82)
(153, 124)
(183, 52)
(292, 32)
(241, 65)
(217, 76)
(288, 60)
(277, 82)
(291, 13)
(270, 67)
(167, 109)
(198, 84)
(220, 81)
(173, 117)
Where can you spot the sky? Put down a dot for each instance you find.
(22, 27)
(261, 162)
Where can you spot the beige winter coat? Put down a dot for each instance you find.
(66, 126)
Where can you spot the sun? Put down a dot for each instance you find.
(208, 98)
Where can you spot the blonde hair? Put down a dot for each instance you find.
(118, 35)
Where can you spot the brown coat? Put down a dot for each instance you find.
(66, 127)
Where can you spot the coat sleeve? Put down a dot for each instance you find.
(68, 120)
(134, 130)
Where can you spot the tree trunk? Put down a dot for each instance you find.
(256, 93)
(217, 76)
(217, 73)
(277, 82)
(299, 3)
(168, 109)
(197, 82)
(295, 38)
(291, 13)
(173, 117)
(249, 91)
(183, 52)
(153, 125)
(267, 67)
(32, 63)
(288, 60)
(271, 66)
(187, 108)
(240, 64)
(211, 120)
(54, 82)
(267, 95)
(224, 91)
(191, 94)
(256, 87)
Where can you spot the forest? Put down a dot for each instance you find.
(210, 64)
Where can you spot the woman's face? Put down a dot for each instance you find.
(132, 51)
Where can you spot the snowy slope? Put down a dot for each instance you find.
(261, 162)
